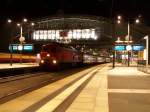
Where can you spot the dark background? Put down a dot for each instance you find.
(39, 8)
(33, 9)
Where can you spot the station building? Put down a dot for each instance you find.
(82, 32)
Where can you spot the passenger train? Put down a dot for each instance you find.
(55, 55)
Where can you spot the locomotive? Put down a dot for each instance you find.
(55, 55)
(58, 54)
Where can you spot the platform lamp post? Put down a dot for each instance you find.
(9, 21)
(113, 31)
(21, 39)
(113, 35)
(129, 41)
(114, 51)
(32, 24)
(129, 47)
(147, 48)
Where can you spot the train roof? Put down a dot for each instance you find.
(61, 45)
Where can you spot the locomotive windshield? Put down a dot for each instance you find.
(49, 48)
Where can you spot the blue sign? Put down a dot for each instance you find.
(138, 48)
(13, 47)
(120, 48)
(26, 47)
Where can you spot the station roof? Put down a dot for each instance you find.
(71, 22)
(103, 25)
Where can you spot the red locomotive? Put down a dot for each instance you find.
(58, 54)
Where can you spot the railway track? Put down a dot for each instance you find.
(19, 77)
(28, 82)
(18, 84)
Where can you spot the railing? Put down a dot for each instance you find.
(141, 66)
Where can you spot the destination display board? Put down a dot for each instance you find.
(120, 48)
(133, 47)
(138, 47)
(25, 47)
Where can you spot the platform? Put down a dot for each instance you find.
(142, 68)
(17, 65)
(128, 90)
(103, 89)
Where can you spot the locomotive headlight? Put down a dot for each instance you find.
(48, 55)
(54, 61)
(42, 61)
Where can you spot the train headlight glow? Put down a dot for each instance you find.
(48, 55)
(54, 61)
(42, 61)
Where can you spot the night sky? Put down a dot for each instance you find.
(33, 9)
(39, 8)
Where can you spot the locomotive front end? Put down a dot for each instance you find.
(48, 56)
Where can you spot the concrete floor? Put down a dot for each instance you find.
(128, 90)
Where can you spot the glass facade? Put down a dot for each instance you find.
(65, 34)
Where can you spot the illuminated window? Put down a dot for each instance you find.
(83, 34)
(37, 35)
(53, 34)
(41, 35)
(87, 33)
(44, 35)
(74, 34)
(93, 33)
(49, 34)
(57, 34)
(70, 35)
(78, 34)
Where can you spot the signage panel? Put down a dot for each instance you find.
(138, 48)
(120, 48)
(25, 47)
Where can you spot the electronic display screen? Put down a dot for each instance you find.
(26, 47)
(119, 48)
(138, 48)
